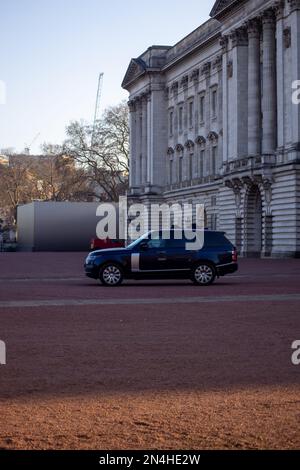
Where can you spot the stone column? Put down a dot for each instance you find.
(269, 104)
(195, 79)
(132, 124)
(295, 52)
(149, 138)
(206, 70)
(254, 87)
(238, 95)
(144, 138)
(218, 66)
(138, 142)
(224, 46)
(279, 10)
(184, 83)
(157, 115)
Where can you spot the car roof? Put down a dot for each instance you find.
(193, 229)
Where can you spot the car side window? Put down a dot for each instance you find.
(157, 243)
(214, 239)
(178, 244)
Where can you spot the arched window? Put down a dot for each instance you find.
(201, 161)
(213, 164)
(170, 165)
(190, 169)
(171, 171)
(189, 145)
(214, 160)
(201, 143)
(180, 168)
(180, 150)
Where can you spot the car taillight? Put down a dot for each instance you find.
(234, 256)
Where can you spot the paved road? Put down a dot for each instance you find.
(148, 364)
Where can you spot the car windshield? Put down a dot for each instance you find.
(136, 242)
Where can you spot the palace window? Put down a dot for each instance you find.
(190, 166)
(201, 163)
(213, 160)
(180, 169)
(171, 121)
(191, 113)
(180, 111)
(141, 169)
(171, 172)
(214, 101)
(141, 125)
(214, 221)
(201, 108)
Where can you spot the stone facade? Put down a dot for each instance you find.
(213, 122)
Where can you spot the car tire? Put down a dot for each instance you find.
(111, 275)
(203, 274)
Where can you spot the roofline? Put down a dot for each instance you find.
(192, 49)
(192, 32)
(223, 10)
(156, 46)
(142, 74)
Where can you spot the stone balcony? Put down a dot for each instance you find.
(253, 163)
(191, 183)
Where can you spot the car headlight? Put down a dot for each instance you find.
(91, 257)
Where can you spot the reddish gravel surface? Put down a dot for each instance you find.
(161, 365)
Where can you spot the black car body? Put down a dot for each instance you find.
(154, 257)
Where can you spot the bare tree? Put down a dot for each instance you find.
(52, 176)
(16, 184)
(88, 165)
(103, 151)
(58, 178)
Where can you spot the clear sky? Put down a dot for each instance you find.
(51, 53)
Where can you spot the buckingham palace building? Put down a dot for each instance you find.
(214, 121)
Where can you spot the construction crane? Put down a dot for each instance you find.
(28, 147)
(97, 106)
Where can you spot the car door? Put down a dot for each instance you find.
(153, 256)
(178, 257)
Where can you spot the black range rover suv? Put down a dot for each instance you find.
(153, 257)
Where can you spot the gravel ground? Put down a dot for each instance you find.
(202, 373)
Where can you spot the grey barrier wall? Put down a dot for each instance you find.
(25, 232)
(56, 226)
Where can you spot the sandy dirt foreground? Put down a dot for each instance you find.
(192, 375)
(254, 419)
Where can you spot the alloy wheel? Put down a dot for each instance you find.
(204, 274)
(111, 275)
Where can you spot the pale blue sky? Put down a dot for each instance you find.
(51, 53)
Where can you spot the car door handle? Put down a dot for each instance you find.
(162, 256)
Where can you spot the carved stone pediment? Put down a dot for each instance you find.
(220, 6)
(137, 67)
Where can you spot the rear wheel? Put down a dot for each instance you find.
(111, 275)
(203, 274)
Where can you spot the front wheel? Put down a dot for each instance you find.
(203, 274)
(111, 275)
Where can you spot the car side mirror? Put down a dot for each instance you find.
(144, 246)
